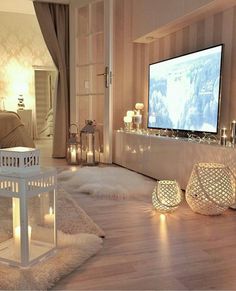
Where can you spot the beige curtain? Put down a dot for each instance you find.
(54, 23)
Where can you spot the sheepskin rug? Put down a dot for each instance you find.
(107, 182)
(72, 251)
(78, 240)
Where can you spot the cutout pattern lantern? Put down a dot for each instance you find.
(73, 146)
(27, 209)
(167, 196)
(211, 188)
(90, 144)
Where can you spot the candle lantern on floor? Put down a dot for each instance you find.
(73, 146)
(27, 208)
(167, 196)
(89, 144)
(211, 188)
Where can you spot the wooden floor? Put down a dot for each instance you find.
(147, 251)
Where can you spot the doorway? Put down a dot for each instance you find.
(91, 69)
(45, 86)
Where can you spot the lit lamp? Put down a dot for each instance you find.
(73, 146)
(138, 116)
(26, 194)
(167, 196)
(89, 144)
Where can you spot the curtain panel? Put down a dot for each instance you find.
(54, 23)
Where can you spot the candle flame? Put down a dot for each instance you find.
(50, 210)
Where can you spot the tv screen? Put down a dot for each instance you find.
(184, 92)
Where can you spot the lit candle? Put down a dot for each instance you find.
(90, 142)
(49, 218)
(73, 155)
(89, 157)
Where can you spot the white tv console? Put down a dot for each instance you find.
(165, 157)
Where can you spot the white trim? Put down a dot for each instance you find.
(108, 98)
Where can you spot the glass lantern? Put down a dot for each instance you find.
(89, 144)
(27, 212)
(73, 146)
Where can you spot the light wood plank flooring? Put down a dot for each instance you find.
(147, 251)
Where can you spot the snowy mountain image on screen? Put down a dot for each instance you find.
(183, 93)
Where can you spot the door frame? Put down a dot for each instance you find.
(108, 62)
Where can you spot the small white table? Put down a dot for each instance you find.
(26, 118)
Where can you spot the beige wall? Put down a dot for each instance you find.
(21, 47)
(131, 60)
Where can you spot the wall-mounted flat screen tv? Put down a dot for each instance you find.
(184, 92)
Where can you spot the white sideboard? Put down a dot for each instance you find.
(165, 157)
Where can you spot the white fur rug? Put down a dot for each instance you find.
(78, 240)
(72, 251)
(108, 182)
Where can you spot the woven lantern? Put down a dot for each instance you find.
(211, 188)
(167, 196)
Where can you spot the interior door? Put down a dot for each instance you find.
(93, 70)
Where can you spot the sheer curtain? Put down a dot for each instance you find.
(54, 23)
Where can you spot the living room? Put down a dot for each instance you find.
(102, 208)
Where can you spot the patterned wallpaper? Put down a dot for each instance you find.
(21, 47)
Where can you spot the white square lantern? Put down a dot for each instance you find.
(19, 159)
(27, 215)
